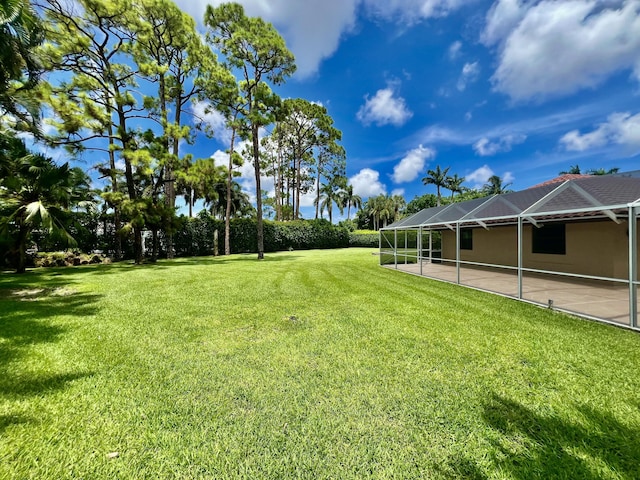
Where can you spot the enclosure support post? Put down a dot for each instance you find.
(633, 267)
(458, 252)
(395, 248)
(380, 247)
(520, 266)
(420, 247)
(406, 246)
(430, 246)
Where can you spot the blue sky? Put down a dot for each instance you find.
(521, 89)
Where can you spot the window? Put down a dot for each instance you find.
(550, 238)
(466, 239)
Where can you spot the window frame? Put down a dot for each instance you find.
(466, 239)
(549, 239)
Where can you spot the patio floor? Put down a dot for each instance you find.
(603, 300)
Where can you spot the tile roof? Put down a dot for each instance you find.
(562, 178)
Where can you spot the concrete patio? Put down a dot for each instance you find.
(608, 301)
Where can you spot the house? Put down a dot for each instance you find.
(567, 243)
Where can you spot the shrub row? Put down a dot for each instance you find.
(64, 259)
(358, 239)
(195, 236)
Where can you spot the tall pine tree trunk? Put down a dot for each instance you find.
(227, 216)
(256, 164)
(117, 223)
(127, 145)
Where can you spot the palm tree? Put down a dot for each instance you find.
(240, 204)
(454, 183)
(34, 192)
(20, 34)
(386, 210)
(352, 200)
(573, 170)
(399, 205)
(494, 186)
(330, 194)
(602, 171)
(381, 209)
(438, 178)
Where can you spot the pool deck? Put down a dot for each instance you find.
(608, 301)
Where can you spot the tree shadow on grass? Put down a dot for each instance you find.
(8, 420)
(25, 386)
(36, 304)
(220, 260)
(535, 445)
(28, 311)
(47, 274)
(37, 274)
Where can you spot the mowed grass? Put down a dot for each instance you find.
(315, 364)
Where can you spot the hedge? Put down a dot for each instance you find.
(361, 239)
(195, 236)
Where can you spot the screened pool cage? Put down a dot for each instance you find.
(569, 245)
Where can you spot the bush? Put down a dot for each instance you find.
(364, 238)
(67, 259)
(195, 235)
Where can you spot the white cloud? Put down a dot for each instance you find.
(384, 109)
(503, 17)
(550, 48)
(313, 28)
(213, 119)
(307, 198)
(247, 178)
(411, 11)
(366, 183)
(454, 50)
(485, 148)
(443, 135)
(468, 116)
(412, 164)
(574, 141)
(479, 176)
(620, 129)
(508, 177)
(397, 191)
(470, 73)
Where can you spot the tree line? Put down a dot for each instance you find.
(377, 212)
(116, 81)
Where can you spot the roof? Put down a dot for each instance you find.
(576, 196)
(562, 178)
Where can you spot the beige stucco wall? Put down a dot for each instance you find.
(498, 245)
(593, 248)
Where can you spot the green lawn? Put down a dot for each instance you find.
(313, 364)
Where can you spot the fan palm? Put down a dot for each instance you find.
(35, 192)
(20, 33)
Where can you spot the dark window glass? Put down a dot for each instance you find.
(466, 239)
(550, 238)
